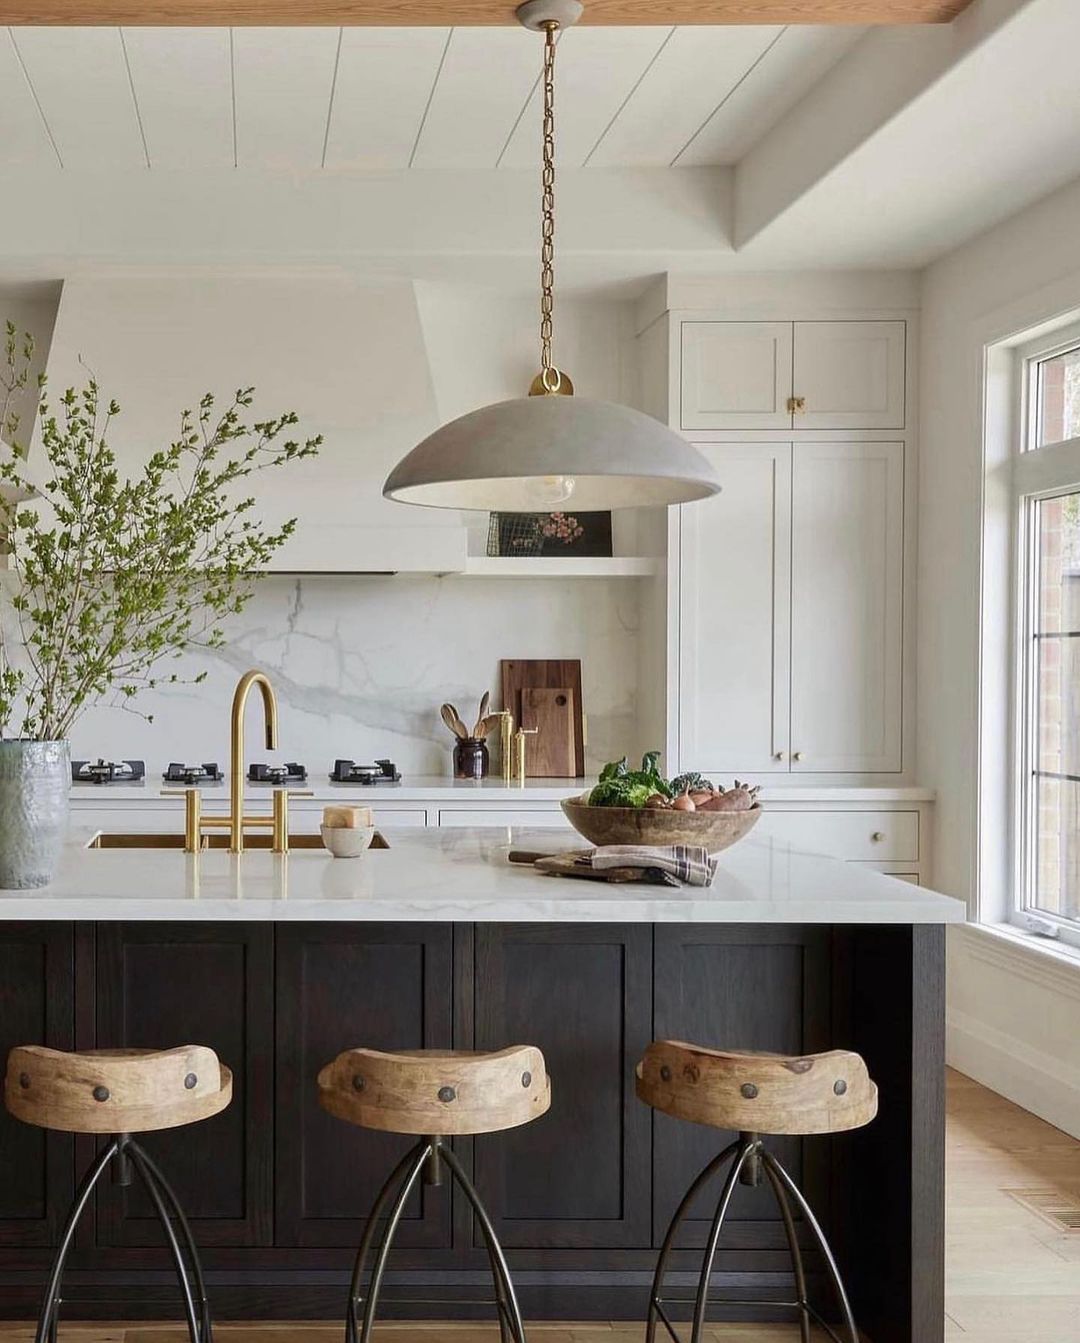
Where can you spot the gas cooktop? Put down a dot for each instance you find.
(348, 771)
(277, 774)
(189, 775)
(108, 771)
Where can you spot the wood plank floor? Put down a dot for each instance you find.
(1012, 1276)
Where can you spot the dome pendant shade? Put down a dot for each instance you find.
(505, 457)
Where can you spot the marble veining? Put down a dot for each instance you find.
(361, 665)
(449, 875)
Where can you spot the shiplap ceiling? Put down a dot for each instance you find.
(390, 98)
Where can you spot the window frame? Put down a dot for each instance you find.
(1038, 474)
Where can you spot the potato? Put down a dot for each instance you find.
(657, 800)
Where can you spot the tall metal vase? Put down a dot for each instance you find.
(35, 777)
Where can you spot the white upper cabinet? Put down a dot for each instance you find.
(791, 611)
(792, 375)
(849, 375)
(847, 563)
(736, 375)
(734, 614)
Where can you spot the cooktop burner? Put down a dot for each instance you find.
(348, 771)
(277, 774)
(193, 774)
(108, 771)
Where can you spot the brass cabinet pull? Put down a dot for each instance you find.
(878, 836)
(796, 405)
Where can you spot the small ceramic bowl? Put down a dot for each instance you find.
(347, 841)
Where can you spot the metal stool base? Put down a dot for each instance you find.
(129, 1156)
(748, 1161)
(426, 1159)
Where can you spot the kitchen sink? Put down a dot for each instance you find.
(136, 840)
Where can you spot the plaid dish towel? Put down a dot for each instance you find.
(673, 864)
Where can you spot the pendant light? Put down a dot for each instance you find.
(551, 448)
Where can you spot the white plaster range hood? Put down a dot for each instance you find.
(348, 357)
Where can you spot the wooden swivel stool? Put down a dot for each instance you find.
(120, 1093)
(754, 1094)
(432, 1093)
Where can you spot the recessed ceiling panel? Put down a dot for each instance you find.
(183, 88)
(690, 78)
(81, 79)
(787, 71)
(597, 69)
(385, 77)
(282, 79)
(485, 82)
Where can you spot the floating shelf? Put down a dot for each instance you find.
(544, 566)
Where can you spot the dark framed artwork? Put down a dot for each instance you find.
(562, 532)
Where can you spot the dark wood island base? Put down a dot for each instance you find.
(277, 1191)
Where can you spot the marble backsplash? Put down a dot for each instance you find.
(361, 665)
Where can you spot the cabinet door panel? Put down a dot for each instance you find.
(743, 989)
(162, 984)
(734, 614)
(847, 606)
(387, 986)
(579, 1176)
(851, 374)
(36, 1008)
(736, 375)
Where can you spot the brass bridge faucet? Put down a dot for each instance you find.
(236, 822)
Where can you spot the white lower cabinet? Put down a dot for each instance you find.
(546, 818)
(857, 836)
(790, 629)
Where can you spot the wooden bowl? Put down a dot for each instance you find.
(713, 830)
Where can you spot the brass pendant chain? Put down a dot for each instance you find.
(549, 374)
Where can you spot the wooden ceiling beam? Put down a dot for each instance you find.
(440, 13)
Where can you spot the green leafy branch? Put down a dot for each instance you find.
(115, 575)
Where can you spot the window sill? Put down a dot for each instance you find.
(1046, 962)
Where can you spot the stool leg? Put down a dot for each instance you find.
(771, 1164)
(505, 1297)
(412, 1155)
(796, 1253)
(50, 1308)
(422, 1156)
(139, 1153)
(747, 1148)
(157, 1198)
(702, 1179)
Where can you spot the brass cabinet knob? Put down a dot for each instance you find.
(797, 755)
(878, 836)
(796, 405)
(779, 755)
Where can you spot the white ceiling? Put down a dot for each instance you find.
(386, 99)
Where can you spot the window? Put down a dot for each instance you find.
(1047, 496)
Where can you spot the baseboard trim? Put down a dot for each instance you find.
(1031, 1078)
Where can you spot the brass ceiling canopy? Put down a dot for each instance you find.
(548, 449)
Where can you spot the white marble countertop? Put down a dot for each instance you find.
(434, 787)
(447, 875)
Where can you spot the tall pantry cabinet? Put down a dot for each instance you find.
(788, 602)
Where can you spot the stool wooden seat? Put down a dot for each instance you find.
(122, 1092)
(115, 1090)
(436, 1091)
(435, 1094)
(754, 1094)
(760, 1093)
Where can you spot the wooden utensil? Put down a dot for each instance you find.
(453, 722)
(550, 674)
(549, 712)
(481, 713)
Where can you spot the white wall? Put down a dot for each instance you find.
(1012, 1024)
(362, 663)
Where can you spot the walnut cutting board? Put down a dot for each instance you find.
(550, 754)
(547, 674)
